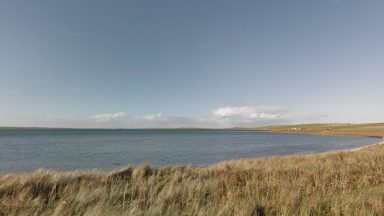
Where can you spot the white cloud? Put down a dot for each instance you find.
(247, 113)
(222, 117)
(158, 116)
(108, 117)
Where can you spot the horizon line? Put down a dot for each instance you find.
(185, 128)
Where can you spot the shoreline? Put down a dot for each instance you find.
(365, 147)
(347, 150)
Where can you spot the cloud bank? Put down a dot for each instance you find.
(228, 116)
(246, 113)
(107, 117)
(221, 117)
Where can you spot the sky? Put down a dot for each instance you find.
(201, 63)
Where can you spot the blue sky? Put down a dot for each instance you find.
(197, 63)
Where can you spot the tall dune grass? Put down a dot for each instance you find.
(343, 183)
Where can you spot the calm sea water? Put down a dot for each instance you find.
(68, 149)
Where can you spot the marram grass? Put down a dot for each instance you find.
(342, 183)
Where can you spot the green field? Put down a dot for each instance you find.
(371, 130)
(338, 183)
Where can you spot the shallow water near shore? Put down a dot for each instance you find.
(68, 149)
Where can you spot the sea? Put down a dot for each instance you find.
(26, 150)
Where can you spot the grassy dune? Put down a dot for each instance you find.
(342, 183)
